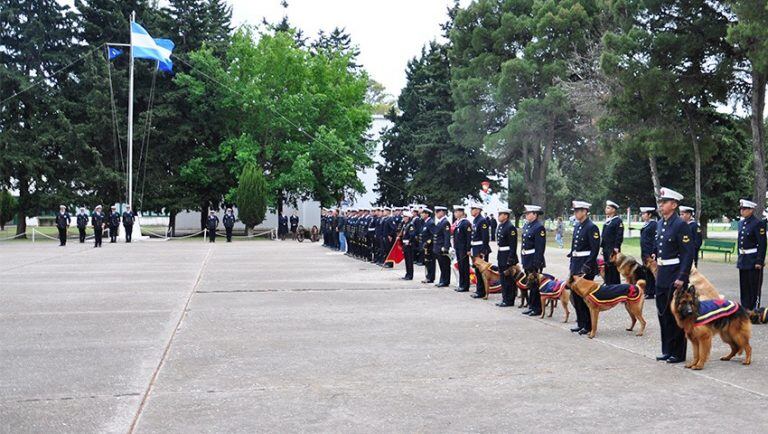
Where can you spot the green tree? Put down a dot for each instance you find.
(750, 35)
(251, 196)
(7, 208)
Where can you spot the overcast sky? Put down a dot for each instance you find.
(388, 32)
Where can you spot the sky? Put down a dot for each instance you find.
(388, 32)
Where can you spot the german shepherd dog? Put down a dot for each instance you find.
(560, 292)
(759, 316)
(633, 301)
(521, 282)
(488, 274)
(628, 267)
(705, 290)
(732, 325)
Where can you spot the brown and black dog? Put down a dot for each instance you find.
(521, 282)
(723, 317)
(628, 267)
(633, 297)
(551, 291)
(705, 290)
(487, 273)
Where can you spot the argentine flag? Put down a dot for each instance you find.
(144, 47)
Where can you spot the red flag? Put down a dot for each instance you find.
(396, 254)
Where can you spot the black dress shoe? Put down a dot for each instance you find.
(527, 312)
(504, 304)
(649, 296)
(406, 278)
(662, 357)
(441, 285)
(673, 359)
(575, 329)
(534, 313)
(476, 295)
(427, 281)
(583, 331)
(461, 290)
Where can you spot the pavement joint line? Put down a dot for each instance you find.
(74, 398)
(239, 291)
(45, 259)
(167, 349)
(84, 312)
(681, 367)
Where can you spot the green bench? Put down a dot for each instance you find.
(718, 246)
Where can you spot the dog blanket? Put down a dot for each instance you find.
(611, 295)
(550, 287)
(711, 310)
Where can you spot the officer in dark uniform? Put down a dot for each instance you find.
(613, 236)
(751, 259)
(114, 224)
(493, 224)
(98, 221)
(294, 224)
(418, 223)
(648, 247)
(674, 256)
(481, 238)
(506, 239)
(687, 214)
(532, 246)
(409, 238)
(229, 223)
(390, 233)
(373, 231)
(441, 243)
(365, 234)
(211, 224)
(282, 227)
(427, 232)
(82, 223)
(585, 246)
(128, 223)
(462, 244)
(63, 220)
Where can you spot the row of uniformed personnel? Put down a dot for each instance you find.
(99, 221)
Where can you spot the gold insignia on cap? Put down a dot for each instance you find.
(686, 239)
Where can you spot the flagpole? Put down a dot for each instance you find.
(130, 118)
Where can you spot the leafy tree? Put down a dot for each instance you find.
(7, 208)
(378, 98)
(397, 165)
(750, 35)
(251, 196)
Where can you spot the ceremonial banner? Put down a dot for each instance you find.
(396, 254)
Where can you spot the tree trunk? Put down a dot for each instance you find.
(655, 176)
(758, 135)
(172, 223)
(696, 170)
(203, 215)
(23, 204)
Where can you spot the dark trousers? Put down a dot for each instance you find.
(212, 235)
(429, 266)
(128, 232)
(534, 297)
(612, 276)
(480, 285)
(508, 288)
(583, 319)
(408, 252)
(113, 234)
(229, 234)
(444, 262)
(673, 342)
(62, 236)
(82, 234)
(463, 262)
(97, 234)
(750, 286)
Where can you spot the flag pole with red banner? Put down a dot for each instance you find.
(396, 254)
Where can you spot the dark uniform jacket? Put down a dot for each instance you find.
(441, 238)
(613, 236)
(114, 219)
(409, 235)
(585, 246)
(229, 221)
(127, 219)
(506, 238)
(698, 238)
(294, 222)
(427, 231)
(82, 220)
(480, 237)
(62, 220)
(97, 220)
(674, 242)
(418, 224)
(462, 237)
(533, 243)
(648, 240)
(212, 223)
(751, 243)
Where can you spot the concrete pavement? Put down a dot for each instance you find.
(185, 336)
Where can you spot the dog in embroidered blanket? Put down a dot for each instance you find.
(702, 319)
(605, 297)
(551, 290)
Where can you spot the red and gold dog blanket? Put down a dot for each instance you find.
(711, 310)
(550, 287)
(611, 295)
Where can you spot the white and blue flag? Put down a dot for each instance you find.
(144, 47)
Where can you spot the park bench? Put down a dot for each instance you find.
(718, 246)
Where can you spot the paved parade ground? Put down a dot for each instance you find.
(270, 336)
